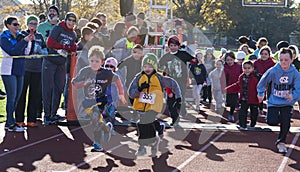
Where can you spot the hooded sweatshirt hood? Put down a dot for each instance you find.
(64, 25)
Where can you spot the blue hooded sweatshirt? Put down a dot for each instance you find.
(282, 82)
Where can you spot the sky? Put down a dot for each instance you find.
(28, 1)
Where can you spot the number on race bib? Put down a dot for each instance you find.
(147, 98)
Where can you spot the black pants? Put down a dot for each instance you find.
(231, 100)
(32, 80)
(207, 93)
(173, 110)
(147, 127)
(282, 116)
(244, 111)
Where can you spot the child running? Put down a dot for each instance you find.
(199, 76)
(146, 90)
(283, 81)
(246, 85)
(95, 81)
(215, 80)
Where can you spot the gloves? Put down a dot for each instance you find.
(72, 48)
(143, 86)
(177, 103)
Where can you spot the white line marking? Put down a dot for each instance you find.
(35, 143)
(94, 158)
(287, 155)
(198, 152)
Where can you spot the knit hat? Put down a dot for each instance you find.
(32, 17)
(209, 51)
(174, 40)
(70, 14)
(240, 55)
(150, 59)
(296, 50)
(55, 8)
(111, 61)
(141, 15)
(223, 50)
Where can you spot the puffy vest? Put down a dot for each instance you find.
(153, 92)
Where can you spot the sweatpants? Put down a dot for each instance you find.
(282, 116)
(53, 82)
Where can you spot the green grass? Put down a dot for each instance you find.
(2, 105)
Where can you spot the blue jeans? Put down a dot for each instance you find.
(13, 86)
(282, 116)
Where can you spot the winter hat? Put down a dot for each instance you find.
(282, 44)
(55, 8)
(174, 40)
(223, 50)
(141, 15)
(70, 14)
(240, 55)
(111, 61)
(209, 51)
(31, 18)
(197, 51)
(150, 59)
(243, 39)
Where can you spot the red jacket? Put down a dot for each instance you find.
(231, 75)
(262, 66)
(252, 92)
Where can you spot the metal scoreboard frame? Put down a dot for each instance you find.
(264, 3)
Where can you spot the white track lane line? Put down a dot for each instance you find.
(287, 155)
(40, 141)
(198, 152)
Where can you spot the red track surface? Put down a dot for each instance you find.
(58, 148)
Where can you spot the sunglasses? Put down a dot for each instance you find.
(33, 24)
(15, 24)
(72, 20)
(109, 66)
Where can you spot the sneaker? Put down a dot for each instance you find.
(2, 95)
(231, 118)
(57, 118)
(141, 151)
(161, 131)
(6, 127)
(237, 108)
(97, 147)
(31, 124)
(281, 148)
(21, 124)
(48, 120)
(16, 128)
(242, 128)
(107, 131)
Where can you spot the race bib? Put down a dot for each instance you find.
(147, 98)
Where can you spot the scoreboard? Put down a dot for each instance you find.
(264, 3)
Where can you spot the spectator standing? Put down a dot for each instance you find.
(32, 77)
(45, 27)
(61, 41)
(13, 43)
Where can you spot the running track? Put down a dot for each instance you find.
(61, 148)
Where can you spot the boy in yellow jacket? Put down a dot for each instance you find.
(147, 91)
